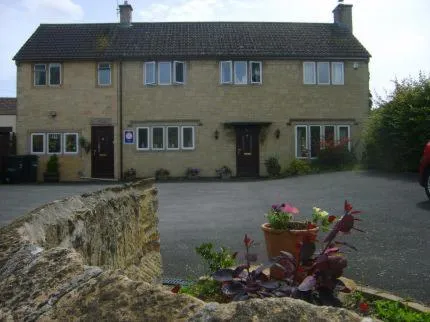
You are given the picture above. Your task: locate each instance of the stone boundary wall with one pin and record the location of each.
(95, 257)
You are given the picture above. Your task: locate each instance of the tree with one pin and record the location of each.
(397, 131)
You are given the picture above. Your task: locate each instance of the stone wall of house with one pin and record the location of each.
(202, 102)
(96, 257)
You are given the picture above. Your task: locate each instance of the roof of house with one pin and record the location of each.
(7, 106)
(191, 40)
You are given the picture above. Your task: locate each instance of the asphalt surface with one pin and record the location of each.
(393, 253)
(18, 199)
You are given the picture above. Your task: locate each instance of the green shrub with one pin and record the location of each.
(298, 167)
(215, 260)
(204, 289)
(398, 130)
(272, 166)
(395, 312)
(52, 165)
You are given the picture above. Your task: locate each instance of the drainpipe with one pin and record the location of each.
(120, 123)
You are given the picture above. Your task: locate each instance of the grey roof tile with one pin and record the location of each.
(190, 40)
(7, 106)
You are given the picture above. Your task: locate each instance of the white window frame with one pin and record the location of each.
(65, 141)
(193, 137)
(110, 73)
(148, 141)
(337, 131)
(49, 73)
(145, 79)
(312, 65)
(170, 72)
(44, 143)
(47, 142)
(152, 138)
(342, 81)
(227, 62)
(34, 75)
(261, 71)
(318, 74)
(175, 63)
(236, 81)
(167, 137)
(295, 140)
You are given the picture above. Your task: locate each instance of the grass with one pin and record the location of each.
(385, 310)
(206, 290)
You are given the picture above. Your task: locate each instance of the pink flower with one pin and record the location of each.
(290, 209)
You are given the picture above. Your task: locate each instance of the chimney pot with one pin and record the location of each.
(342, 15)
(125, 13)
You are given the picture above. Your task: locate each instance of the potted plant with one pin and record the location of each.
(224, 172)
(52, 170)
(84, 144)
(162, 174)
(282, 233)
(192, 173)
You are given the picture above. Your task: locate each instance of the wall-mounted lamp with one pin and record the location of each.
(52, 114)
(216, 134)
(277, 133)
(355, 65)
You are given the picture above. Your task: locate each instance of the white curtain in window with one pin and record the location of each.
(337, 73)
(309, 72)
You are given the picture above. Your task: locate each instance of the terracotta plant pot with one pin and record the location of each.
(283, 240)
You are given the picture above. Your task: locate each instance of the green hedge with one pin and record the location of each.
(397, 131)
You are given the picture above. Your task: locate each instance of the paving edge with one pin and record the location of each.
(384, 295)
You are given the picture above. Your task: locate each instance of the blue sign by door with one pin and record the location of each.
(128, 137)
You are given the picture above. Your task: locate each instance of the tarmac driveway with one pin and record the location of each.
(393, 254)
(18, 199)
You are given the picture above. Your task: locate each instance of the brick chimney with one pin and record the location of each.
(125, 13)
(342, 15)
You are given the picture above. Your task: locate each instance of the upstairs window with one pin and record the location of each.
(149, 72)
(323, 73)
(54, 74)
(39, 74)
(240, 72)
(237, 72)
(309, 72)
(256, 72)
(179, 72)
(104, 74)
(164, 73)
(337, 73)
(323, 69)
(226, 72)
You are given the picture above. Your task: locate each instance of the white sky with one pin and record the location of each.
(396, 33)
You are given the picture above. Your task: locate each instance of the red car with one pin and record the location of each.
(425, 169)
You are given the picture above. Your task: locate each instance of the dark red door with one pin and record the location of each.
(102, 163)
(247, 151)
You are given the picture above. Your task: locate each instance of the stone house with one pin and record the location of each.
(7, 125)
(114, 96)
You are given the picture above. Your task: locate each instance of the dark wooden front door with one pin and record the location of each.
(102, 163)
(247, 151)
